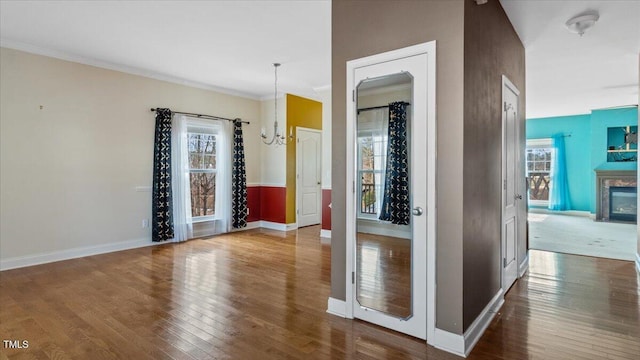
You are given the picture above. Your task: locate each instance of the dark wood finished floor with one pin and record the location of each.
(383, 268)
(262, 295)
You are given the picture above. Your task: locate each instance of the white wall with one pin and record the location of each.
(325, 98)
(69, 170)
(273, 158)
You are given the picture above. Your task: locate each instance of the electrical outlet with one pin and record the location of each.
(145, 223)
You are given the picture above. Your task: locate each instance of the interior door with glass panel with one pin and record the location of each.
(390, 282)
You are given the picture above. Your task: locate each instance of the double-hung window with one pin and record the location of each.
(371, 161)
(202, 146)
(539, 160)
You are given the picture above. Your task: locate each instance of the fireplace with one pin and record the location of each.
(606, 180)
(623, 204)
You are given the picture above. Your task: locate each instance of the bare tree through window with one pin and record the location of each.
(202, 173)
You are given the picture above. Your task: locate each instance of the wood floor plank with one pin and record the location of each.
(262, 294)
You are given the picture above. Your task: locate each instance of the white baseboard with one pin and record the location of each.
(292, 226)
(375, 227)
(524, 265)
(278, 226)
(462, 345)
(638, 262)
(325, 234)
(337, 307)
(43, 258)
(480, 324)
(448, 341)
(250, 225)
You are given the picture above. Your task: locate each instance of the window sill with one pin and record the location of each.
(203, 219)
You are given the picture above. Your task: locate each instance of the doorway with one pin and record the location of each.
(309, 176)
(510, 197)
(391, 208)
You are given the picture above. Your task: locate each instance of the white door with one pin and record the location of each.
(309, 161)
(510, 197)
(386, 291)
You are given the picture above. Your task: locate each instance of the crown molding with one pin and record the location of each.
(62, 55)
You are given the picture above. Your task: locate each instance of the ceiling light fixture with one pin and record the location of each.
(580, 24)
(277, 138)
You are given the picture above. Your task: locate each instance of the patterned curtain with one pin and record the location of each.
(239, 180)
(395, 203)
(162, 217)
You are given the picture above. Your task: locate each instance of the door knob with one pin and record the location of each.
(518, 197)
(417, 211)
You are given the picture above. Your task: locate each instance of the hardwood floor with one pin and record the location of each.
(383, 273)
(262, 294)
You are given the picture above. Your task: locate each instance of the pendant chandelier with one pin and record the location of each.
(277, 138)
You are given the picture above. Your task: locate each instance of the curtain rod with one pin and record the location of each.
(212, 117)
(380, 107)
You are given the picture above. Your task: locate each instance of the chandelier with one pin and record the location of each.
(277, 138)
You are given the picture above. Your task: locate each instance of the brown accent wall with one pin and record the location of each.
(363, 28)
(491, 48)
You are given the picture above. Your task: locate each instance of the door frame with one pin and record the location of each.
(298, 167)
(428, 48)
(503, 242)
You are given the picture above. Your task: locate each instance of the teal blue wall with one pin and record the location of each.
(577, 150)
(586, 147)
(601, 120)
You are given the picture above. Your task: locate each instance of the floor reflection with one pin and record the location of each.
(383, 273)
(262, 294)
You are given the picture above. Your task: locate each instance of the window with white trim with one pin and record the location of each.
(539, 161)
(371, 161)
(203, 161)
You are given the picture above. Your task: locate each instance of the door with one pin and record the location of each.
(510, 197)
(309, 162)
(390, 193)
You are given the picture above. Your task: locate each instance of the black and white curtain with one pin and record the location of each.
(162, 216)
(239, 180)
(396, 202)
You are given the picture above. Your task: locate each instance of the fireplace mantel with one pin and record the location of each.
(604, 180)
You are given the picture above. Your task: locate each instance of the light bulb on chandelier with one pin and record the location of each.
(277, 138)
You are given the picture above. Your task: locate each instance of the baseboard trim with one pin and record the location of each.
(74, 253)
(524, 266)
(448, 341)
(638, 262)
(480, 324)
(325, 234)
(273, 225)
(337, 307)
(250, 225)
(278, 226)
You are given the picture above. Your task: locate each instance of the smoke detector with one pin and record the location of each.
(580, 24)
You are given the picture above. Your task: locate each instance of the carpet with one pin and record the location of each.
(582, 236)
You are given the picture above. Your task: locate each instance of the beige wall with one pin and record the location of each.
(359, 29)
(69, 171)
(273, 157)
(325, 98)
(491, 49)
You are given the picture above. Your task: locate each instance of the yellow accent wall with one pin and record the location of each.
(305, 113)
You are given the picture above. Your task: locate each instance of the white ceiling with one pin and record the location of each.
(228, 45)
(568, 74)
(231, 45)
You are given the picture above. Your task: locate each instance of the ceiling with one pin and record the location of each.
(222, 45)
(568, 74)
(231, 45)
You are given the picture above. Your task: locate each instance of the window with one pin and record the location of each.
(371, 161)
(539, 160)
(202, 171)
